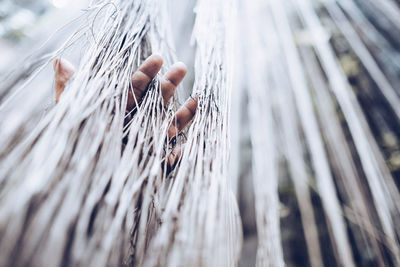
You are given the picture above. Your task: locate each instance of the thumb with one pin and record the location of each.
(174, 157)
(64, 70)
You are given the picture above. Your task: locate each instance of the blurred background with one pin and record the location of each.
(25, 25)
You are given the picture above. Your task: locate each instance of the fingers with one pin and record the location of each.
(64, 72)
(174, 157)
(147, 71)
(184, 115)
(142, 77)
(171, 80)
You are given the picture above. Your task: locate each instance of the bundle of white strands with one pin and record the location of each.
(308, 87)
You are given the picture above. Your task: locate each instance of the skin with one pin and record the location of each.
(64, 71)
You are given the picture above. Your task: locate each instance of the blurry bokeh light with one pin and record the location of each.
(59, 3)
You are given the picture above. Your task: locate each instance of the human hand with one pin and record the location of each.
(141, 78)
